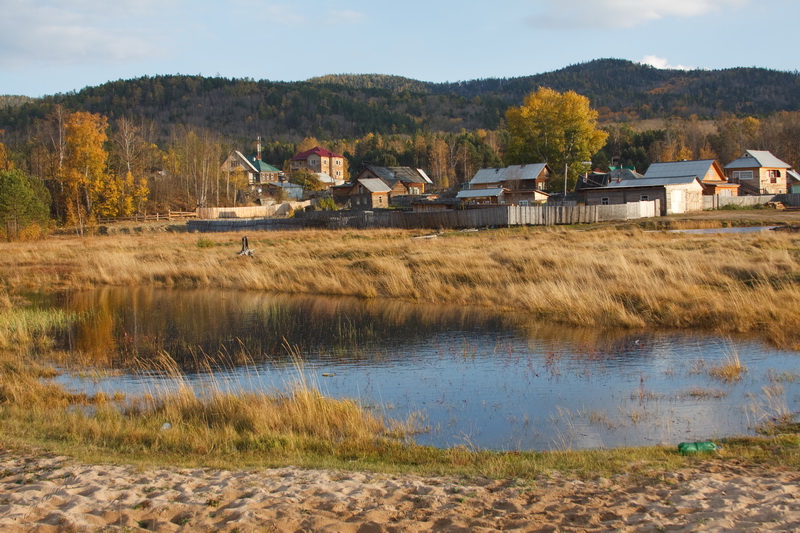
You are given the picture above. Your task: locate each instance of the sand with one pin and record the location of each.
(49, 493)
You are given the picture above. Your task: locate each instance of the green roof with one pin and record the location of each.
(263, 167)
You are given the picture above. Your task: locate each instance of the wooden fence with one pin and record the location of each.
(257, 211)
(157, 217)
(508, 215)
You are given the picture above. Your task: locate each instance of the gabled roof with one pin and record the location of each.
(651, 182)
(245, 160)
(403, 174)
(262, 166)
(793, 175)
(374, 185)
(512, 173)
(480, 193)
(302, 156)
(671, 169)
(757, 159)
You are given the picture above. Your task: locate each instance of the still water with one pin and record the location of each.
(478, 378)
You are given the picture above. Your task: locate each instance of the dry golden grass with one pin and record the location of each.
(602, 278)
(730, 370)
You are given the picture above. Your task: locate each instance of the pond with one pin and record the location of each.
(479, 378)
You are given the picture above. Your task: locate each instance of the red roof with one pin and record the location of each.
(302, 156)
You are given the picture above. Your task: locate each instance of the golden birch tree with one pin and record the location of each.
(555, 128)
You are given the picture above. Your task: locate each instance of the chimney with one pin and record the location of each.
(258, 148)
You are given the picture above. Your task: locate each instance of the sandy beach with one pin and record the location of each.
(49, 493)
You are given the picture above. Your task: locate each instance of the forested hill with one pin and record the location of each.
(341, 106)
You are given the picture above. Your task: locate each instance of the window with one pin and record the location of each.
(773, 175)
(742, 175)
(604, 200)
(644, 198)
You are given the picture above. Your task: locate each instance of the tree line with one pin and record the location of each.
(74, 168)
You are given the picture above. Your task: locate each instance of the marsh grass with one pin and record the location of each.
(730, 370)
(601, 278)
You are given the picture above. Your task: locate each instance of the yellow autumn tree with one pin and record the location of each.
(559, 129)
(84, 176)
(5, 162)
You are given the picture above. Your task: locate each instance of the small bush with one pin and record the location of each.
(205, 242)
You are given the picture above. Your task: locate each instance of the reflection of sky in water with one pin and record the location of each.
(479, 379)
(742, 229)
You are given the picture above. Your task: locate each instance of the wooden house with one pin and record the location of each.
(403, 181)
(593, 180)
(759, 172)
(368, 193)
(256, 170)
(521, 184)
(708, 171)
(681, 194)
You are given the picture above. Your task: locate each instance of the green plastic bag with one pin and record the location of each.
(687, 448)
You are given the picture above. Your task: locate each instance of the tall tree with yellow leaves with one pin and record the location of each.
(559, 129)
(84, 175)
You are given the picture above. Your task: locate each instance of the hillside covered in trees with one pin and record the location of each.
(348, 106)
(157, 143)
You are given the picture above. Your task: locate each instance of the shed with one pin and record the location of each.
(708, 171)
(680, 194)
(495, 195)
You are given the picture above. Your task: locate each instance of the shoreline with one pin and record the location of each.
(43, 492)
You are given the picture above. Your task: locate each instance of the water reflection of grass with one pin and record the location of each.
(602, 278)
(230, 428)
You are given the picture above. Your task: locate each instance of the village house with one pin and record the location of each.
(256, 170)
(593, 180)
(759, 172)
(319, 160)
(707, 171)
(403, 181)
(678, 194)
(517, 184)
(363, 194)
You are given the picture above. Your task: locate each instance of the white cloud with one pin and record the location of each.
(299, 15)
(662, 63)
(347, 17)
(72, 32)
(623, 13)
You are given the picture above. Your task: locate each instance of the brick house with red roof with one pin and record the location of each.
(319, 160)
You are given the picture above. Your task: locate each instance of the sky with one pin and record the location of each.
(57, 46)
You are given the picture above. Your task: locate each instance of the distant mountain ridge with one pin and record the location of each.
(351, 105)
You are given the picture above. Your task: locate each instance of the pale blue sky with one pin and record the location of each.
(52, 46)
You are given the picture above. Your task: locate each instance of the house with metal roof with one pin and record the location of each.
(708, 171)
(521, 183)
(676, 194)
(319, 160)
(759, 172)
(368, 193)
(404, 181)
(256, 170)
